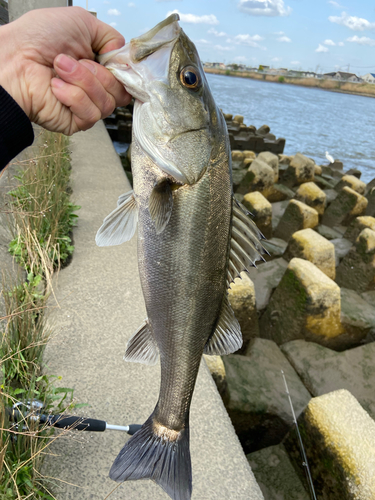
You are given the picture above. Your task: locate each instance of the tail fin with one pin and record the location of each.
(157, 453)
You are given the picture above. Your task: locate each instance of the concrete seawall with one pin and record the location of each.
(100, 307)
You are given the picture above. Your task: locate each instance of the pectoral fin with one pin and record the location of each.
(120, 225)
(160, 205)
(227, 337)
(142, 347)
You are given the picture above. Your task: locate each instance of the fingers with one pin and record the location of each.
(88, 89)
(105, 38)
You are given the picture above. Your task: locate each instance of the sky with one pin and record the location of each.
(314, 35)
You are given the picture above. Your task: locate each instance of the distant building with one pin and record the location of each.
(4, 16)
(341, 75)
(251, 70)
(369, 78)
(263, 67)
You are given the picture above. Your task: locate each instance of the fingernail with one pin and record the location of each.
(66, 63)
(89, 65)
(56, 82)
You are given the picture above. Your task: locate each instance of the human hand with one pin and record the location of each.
(61, 42)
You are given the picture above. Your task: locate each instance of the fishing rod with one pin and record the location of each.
(17, 414)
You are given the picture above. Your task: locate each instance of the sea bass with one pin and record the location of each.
(193, 240)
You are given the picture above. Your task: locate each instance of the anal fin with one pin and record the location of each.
(120, 225)
(142, 347)
(227, 337)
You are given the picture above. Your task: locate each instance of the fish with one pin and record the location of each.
(194, 239)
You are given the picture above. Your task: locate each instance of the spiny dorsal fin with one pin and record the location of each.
(120, 225)
(160, 205)
(245, 246)
(142, 347)
(227, 337)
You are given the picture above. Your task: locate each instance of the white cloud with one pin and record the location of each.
(240, 59)
(276, 59)
(363, 40)
(279, 33)
(106, 2)
(228, 40)
(264, 7)
(321, 48)
(220, 47)
(352, 22)
(284, 39)
(193, 19)
(249, 40)
(295, 63)
(203, 41)
(329, 42)
(113, 24)
(114, 12)
(131, 4)
(341, 44)
(212, 31)
(336, 4)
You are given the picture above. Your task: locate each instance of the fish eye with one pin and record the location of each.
(190, 77)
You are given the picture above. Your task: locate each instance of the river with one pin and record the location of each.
(312, 121)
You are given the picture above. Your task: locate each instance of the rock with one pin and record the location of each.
(239, 165)
(355, 172)
(331, 195)
(308, 244)
(266, 278)
(249, 154)
(358, 225)
(228, 117)
(357, 316)
(306, 305)
(310, 194)
(271, 160)
(275, 246)
(259, 176)
(342, 247)
(323, 370)
(238, 177)
(258, 405)
(276, 475)
(239, 197)
(325, 182)
(238, 156)
(345, 208)
(370, 186)
(278, 210)
(369, 297)
(351, 182)
(285, 159)
(296, 216)
(328, 232)
(340, 229)
(370, 210)
(300, 170)
(357, 269)
(261, 209)
(242, 299)
(217, 369)
(317, 170)
(238, 118)
(339, 438)
(278, 192)
(263, 130)
(247, 162)
(337, 164)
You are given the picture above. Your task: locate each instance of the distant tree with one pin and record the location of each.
(260, 68)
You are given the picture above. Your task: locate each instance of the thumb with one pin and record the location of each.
(105, 38)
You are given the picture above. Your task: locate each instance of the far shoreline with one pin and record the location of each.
(361, 89)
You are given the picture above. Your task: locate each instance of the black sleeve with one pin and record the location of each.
(16, 132)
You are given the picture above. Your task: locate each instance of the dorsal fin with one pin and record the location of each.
(245, 246)
(227, 337)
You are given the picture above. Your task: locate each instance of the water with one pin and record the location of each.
(312, 121)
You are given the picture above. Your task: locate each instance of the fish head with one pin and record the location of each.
(175, 119)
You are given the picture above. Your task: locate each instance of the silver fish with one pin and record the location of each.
(193, 240)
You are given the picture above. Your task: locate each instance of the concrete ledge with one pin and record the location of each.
(100, 307)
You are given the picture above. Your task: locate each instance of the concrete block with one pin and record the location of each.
(331, 195)
(342, 247)
(263, 130)
(352, 182)
(370, 186)
(258, 405)
(328, 232)
(242, 299)
(357, 269)
(278, 210)
(310, 194)
(308, 244)
(261, 209)
(300, 170)
(238, 118)
(323, 370)
(266, 278)
(275, 246)
(317, 170)
(249, 154)
(278, 192)
(296, 216)
(272, 160)
(348, 205)
(357, 316)
(339, 438)
(275, 474)
(358, 224)
(258, 177)
(217, 369)
(306, 305)
(285, 159)
(370, 210)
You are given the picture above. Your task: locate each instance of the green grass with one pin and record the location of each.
(42, 221)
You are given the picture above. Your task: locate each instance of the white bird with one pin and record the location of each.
(329, 157)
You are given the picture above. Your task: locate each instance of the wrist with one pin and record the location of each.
(12, 68)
